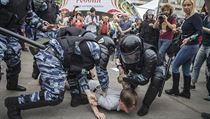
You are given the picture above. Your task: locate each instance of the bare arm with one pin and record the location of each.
(170, 25)
(99, 115)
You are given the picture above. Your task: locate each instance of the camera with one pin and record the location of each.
(161, 17)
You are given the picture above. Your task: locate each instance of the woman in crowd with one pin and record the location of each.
(203, 51)
(78, 21)
(190, 30)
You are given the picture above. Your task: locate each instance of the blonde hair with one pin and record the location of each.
(194, 6)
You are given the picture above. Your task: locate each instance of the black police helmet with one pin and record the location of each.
(89, 35)
(131, 48)
(107, 42)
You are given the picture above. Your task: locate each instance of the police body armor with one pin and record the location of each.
(74, 62)
(13, 14)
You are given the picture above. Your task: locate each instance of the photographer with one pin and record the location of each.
(166, 22)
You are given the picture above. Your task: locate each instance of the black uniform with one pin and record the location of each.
(140, 63)
(107, 48)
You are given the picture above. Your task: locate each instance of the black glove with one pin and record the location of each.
(129, 79)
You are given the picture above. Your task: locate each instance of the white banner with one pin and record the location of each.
(107, 6)
(99, 5)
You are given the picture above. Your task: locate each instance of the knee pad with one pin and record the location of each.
(157, 79)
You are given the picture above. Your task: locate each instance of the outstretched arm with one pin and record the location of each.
(98, 114)
(35, 22)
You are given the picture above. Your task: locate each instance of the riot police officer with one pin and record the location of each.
(13, 13)
(107, 47)
(71, 54)
(137, 65)
(50, 16)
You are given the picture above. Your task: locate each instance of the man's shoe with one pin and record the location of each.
(143, 110)
(172, 92)
(18, 88)
(185, 94)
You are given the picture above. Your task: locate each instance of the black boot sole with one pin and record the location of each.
(18, 88)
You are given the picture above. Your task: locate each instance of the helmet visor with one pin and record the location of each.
(132, 57)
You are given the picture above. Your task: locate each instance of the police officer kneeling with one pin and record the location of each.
(69, 54)
(137, 64)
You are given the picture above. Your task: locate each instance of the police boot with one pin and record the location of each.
(150, 95)
(186, 91)
(35, 72)
(143, 110)
(13, 111)
(78, 99)
(12, 78)
(14, 107)
(205, 115)
(175, 87)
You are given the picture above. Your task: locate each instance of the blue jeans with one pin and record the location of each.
(201, 56)
(163, 46)
(207, 73)
(184, 58)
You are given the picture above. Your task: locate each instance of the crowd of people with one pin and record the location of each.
(77, 43)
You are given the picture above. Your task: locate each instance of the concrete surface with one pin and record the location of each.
(165, 107)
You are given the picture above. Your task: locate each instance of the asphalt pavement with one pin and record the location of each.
(164, 107)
